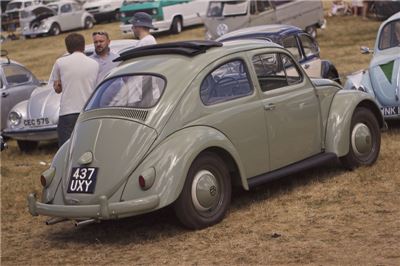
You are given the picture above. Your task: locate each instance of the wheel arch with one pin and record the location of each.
(341, 112)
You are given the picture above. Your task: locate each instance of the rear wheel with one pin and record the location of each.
(206, 194)
(27, 145)
(55, 29)
(176, 25)
(365, 140)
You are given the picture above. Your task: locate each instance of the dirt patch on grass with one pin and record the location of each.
(323, 216)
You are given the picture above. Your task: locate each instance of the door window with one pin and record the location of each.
(16, 75)
(275, 71)
(390, 35)
(290, 43)
(227, 82)
(66, 8)
(309, 45)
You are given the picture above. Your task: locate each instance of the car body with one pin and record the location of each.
(224, 16)
(191, 120)
(103, 9)
(382, 78)
(167, 15)
(35, 119)
(302, 45)
(54, 18)
(10, 17)
(16, 85)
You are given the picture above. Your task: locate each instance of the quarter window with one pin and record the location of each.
(16, 75)
(290, 43)
(275, 71)
(227, 82)
(309, 45)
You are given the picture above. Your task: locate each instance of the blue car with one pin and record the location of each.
(382, 78)
(302, 45)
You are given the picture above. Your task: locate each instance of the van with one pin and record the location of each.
(224, 16)
(168, 15)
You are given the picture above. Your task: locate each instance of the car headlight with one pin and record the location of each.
(14, 118)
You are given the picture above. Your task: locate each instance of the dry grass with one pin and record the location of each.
(324, 216)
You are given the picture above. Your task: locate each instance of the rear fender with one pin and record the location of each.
(344, 103)
(172, 159)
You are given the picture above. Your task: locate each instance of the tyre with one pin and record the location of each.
(176, 25)
(88, 23)
(312, 30)
(206, 194)
(365, 140)
(26, 145)
(55, 29)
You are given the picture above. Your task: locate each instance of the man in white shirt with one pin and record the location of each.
(74, 76)
(103, 55)
(141, 25)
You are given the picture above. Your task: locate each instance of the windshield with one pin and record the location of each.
(138, 91)
(14, 5)
(226, 9)
(390, 35)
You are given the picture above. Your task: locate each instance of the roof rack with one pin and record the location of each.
(186, 48)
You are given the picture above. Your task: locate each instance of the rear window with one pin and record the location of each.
(138, 91)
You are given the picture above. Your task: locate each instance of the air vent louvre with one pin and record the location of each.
(136, 114)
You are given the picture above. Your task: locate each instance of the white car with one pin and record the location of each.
(103, 9)
(54, 18)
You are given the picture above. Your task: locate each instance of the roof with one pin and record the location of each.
(273, 29)
(393, 17)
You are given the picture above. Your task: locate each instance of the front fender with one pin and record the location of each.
(172, 159)
(344, 103)
(21, 108)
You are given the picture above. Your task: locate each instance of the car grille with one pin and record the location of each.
(137, 114)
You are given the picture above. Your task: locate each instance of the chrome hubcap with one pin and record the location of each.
(205, 191)
(361, 139)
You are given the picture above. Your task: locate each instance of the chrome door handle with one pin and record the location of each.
(269, 107)
(4, 94)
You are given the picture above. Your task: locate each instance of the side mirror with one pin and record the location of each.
(365, 50)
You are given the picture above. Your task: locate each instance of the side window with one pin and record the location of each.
(275, 71)
(228, 81)
(290, 43)
(76, 7)
(309, 45)
(66, 8)
(263, 5)
(16, 75)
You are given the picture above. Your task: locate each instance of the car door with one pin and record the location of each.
(17, 85)
(291, 109)
(77, 14)
(310, 61)
(66, 17)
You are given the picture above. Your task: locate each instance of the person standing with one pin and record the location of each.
(103, 55)
(141, 25)
(74, 76)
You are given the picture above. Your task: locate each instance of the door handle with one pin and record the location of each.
(269, 107)
(306, 66)
(4, 94)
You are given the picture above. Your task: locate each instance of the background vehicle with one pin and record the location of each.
(225, 16)
(304, 48)
(55, 18)
(104, 9)
(167, 15)
(382, 78)
(16, 85)
(239, 113)
(36, 118)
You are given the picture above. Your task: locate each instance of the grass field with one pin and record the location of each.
(325, 216)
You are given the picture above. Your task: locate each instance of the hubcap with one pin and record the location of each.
(205, 191)
(361, 139)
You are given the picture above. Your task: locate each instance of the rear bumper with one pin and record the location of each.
(103, 211)
(33, 134)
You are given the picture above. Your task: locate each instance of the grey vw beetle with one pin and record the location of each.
(181, 123)
(34, 120)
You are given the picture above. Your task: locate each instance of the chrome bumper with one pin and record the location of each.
(103, 211)
(34, 134)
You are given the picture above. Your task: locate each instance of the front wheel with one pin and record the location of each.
(206, 194)
(365, 140)
(176, 25)
(88, 23)
(55, 29)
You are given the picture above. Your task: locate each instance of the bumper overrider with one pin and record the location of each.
(102, 211)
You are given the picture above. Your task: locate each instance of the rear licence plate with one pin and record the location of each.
(37, 122)
(82, 180)
(390, 110)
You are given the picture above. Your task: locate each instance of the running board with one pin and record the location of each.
(293, 168)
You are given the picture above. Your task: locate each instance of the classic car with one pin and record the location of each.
(103, 9)
(36, 118)
(302, 45)
(181, 123)
(54, 18)
(382, 78)
(16, 85)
